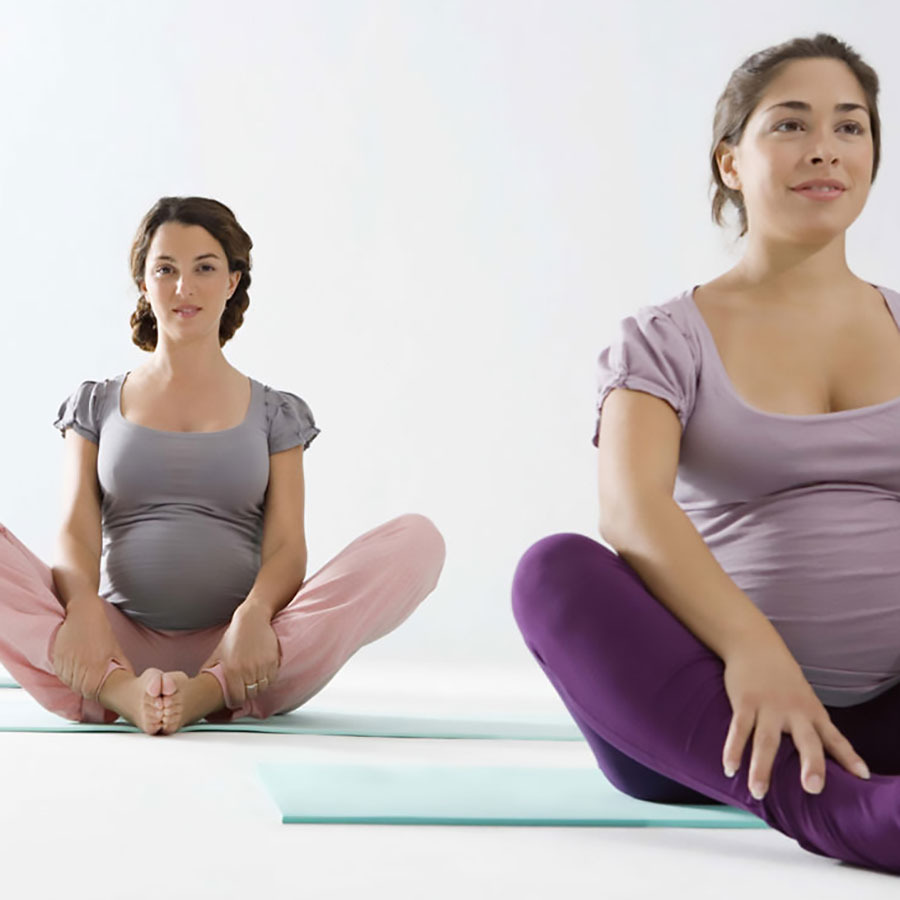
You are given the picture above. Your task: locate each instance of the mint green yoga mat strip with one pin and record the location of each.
(474, 795)
(20, 712)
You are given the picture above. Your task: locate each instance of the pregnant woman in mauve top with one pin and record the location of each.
(748, 622)
(181, 589)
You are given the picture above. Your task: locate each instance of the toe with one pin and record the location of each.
(153, 721)
(168, 684)
(171, 721)
(154, 683)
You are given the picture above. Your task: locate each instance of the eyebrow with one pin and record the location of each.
(838, 107)
(202, 256)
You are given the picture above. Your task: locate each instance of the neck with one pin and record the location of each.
(187, 364)
(780, 273)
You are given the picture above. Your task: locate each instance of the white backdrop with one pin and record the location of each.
(452, 205)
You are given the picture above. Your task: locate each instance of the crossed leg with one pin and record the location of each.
(636, 680)
(361, 594)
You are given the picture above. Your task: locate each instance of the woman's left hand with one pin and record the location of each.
(249, 652)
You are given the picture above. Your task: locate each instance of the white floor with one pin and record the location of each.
(133, 816)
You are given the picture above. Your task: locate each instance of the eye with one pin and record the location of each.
(160, 268)
(858, 129)
(208, 266)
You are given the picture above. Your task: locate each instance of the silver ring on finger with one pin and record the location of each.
(252, 687)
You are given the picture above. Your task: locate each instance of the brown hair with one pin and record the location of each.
(220, 222)
(749, 82)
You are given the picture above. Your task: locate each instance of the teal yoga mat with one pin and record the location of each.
(475, 795)
(20, 712)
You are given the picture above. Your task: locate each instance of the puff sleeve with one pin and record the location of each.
(290, 421)
(653, 354)
(80, 411)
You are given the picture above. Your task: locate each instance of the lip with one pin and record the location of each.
(820, 182)
(188, 308)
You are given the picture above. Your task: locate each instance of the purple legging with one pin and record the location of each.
(650, 699)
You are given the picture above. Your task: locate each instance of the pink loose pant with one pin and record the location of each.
(361, 594)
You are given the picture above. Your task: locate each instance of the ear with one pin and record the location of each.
(233, 279)
(725, 159)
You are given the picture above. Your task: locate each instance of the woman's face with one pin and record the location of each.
(187, 266)
(786, 146)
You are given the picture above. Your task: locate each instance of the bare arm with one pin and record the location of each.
(85, 643)
(77, 571)
(657, 539)
(283, 552)
(638, 457)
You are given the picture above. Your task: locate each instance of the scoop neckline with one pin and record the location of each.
(118, 408)
(709, 340)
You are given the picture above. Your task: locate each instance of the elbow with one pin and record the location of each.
(301, 557)
(619, 517)
(606, 519)
(604, 527)
(606, 535)
(620, 523)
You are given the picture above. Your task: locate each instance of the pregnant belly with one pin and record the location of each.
(826, 572)
(174, 578)
(844, 631)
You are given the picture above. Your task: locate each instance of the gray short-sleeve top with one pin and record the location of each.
(182, 511)
(801, 511)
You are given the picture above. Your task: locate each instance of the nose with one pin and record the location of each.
(185, 287)
(822, 145)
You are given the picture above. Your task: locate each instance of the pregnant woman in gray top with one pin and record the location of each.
(181, 590)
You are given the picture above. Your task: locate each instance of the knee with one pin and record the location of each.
(639, 781)
(552, 574)
(423, 544)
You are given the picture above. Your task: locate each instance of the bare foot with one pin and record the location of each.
(185, 700)
(136, 698)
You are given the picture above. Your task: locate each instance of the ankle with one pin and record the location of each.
(114, 681)
(214, 697)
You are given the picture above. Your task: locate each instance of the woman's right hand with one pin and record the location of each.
(84, 645)
(769, 694)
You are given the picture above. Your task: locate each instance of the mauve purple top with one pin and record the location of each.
(802, 512)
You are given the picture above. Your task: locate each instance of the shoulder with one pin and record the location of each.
(670, 326)
(281, 401)
(892, 295)
(93, 392)
(657, 351)
(677, 310)
(85, 408)
(289, 419)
